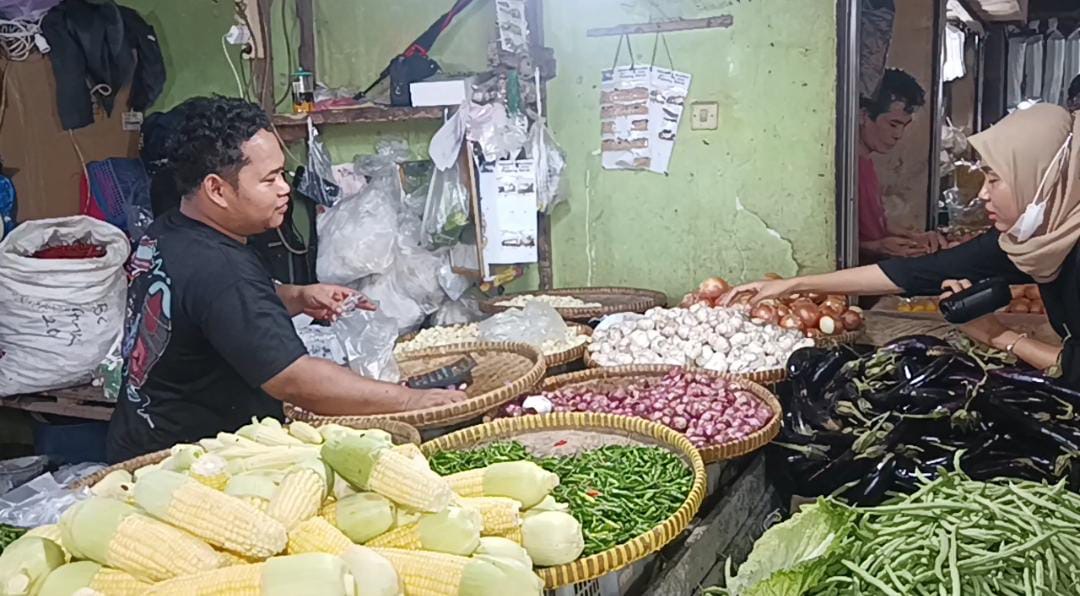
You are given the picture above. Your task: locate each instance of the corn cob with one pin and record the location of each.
(522, 481)
(270, 458)
(221, 520)
(300, 494)
(71, 578)
(305, 432)
(210, 470)
(49, 532)
(454, 531)
(511, 534)
(181, 457)
(115, 534)
(361, 517)
(116, 484)
(309, 573)
(253, 488)
(316, 535)
(229, 559)
(500, 514)
(268, 432)
(413, 453)
(438, 574)
(367, 464)
(26, 563)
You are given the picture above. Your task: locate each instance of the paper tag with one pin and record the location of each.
(132, 121)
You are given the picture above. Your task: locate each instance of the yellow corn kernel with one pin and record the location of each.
(413, 453)
(368, 463)
(316, 535)
(299, 495)
(405, 537)
(500, 514)
(514, 534)
(113, 582)
(221, 520)
(454, 531)
(427, 573)
(87, 575)
(256, 502)
(309, 573)
(115, 534)
(210, 470)
(469, 483)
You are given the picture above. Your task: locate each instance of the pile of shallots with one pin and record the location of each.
(707, 409)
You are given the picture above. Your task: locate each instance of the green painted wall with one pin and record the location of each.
(773, 75)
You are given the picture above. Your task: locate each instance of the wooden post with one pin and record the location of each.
(263, 67)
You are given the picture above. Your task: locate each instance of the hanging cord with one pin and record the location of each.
(236, 75)
(82, 160)
(18, 37)
(656, 43)
(618, 52)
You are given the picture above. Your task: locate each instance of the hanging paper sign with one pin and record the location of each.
(513, 27)
(508, 208)
(624, 118)
(667, 96)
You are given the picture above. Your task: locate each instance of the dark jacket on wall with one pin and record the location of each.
(97, 48)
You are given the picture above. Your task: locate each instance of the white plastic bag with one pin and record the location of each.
(550, 163)
(1054, 80)
(534, 324)
(446, 212)
(58, 317)
(457, 312)
(1014, 76)
(1033, 63)
(356, 236)
(393, 301)
(368, 338)
(453, 284)
(318, 182)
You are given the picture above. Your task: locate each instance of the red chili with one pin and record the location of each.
(592, 492)
(560, 443)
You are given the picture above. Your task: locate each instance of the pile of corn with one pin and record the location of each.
(276, 510)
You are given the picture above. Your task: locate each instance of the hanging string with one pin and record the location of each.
(618, 52)
(656, 42)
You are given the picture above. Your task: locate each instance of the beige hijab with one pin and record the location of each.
(1021, 149)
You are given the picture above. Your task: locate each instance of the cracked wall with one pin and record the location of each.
(752, 197)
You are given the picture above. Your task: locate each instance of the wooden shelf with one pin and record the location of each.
(83, 401)
(293, 127)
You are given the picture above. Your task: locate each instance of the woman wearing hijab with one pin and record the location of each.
(1032, 193)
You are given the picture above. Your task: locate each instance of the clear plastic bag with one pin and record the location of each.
(446, 212)
(367, 338)
(318, 183)
(453, 284)
(534, 324)
(320, 341)
(458, 312)
(38, 502)
(499, 134)
(394, 301)
(357, 236)
(550, 163)
(16, 472)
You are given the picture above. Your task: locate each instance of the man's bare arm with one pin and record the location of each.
(323, 387)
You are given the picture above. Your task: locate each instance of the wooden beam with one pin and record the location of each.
(293, 127)
(718, 22)
(305, 14)
(263, 67)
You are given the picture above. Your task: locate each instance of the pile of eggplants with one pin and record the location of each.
(861, 422)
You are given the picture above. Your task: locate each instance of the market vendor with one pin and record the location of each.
(1032, 193)
(209, 340)
(883, 120)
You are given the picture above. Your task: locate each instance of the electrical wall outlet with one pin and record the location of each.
(705, 115)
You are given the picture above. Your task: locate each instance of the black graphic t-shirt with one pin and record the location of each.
(205, 329)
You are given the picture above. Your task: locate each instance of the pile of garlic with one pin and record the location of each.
(553, 301)
(718, 339)
(459, 334)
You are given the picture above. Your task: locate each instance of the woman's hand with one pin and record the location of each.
(759, 290)
(420, 399)
(325, 302)
(950, 287)
(988, 330)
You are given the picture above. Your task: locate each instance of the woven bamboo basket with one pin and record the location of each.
(761, 377)
(840, 339)
(400, 433)
(636, 429)
(611, 301)
(625, 375)
(503, 371)
(556, 359)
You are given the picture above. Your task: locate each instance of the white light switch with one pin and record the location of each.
(705, 115)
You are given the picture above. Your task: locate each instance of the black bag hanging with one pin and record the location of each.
(414, 64)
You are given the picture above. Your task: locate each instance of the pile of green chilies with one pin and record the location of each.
(616, 492)
(960, 536)
(8, 535)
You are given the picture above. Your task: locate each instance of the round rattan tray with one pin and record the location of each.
(503, 371)
(635, 429)
(761, 377)
(611, 301)
(555, 359)
(628, 374)
(399, 431)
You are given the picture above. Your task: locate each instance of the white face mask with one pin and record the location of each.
(1033, 217)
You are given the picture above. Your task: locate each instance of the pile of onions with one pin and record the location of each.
(708, 410)
(1026, 300)
(815, 315)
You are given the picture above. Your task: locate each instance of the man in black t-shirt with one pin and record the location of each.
(209, 341)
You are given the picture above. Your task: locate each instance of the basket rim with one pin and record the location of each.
(624, 554)
(643, 300)
(442, 416)
(709, 454)
(555, 359)
(770, 376)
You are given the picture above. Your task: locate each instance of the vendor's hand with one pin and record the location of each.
(758, 291)
(950, 287)
(419, 399)
(325, 302)
(895, 246)
(985, 330)
(930, 242)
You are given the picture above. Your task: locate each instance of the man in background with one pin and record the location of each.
(883, 119)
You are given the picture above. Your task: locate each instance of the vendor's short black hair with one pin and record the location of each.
(896, 86)
(1074, 94)
(209, 138)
